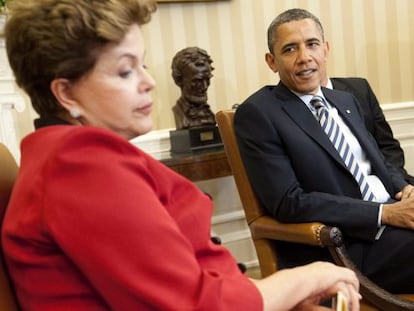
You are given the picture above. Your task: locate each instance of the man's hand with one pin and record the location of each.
(405, 193)
(401, 213)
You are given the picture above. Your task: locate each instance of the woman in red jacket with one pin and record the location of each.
(95, 223)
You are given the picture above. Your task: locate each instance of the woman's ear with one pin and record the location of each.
(62, 89)
(270, 60)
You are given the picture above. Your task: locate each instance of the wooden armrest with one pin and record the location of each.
(409, 297)
(312, 233)
(371, 292)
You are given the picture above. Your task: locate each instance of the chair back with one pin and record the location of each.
(8, 173)
(264, 229)
(253, 210)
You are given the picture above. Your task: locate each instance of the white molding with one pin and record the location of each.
(251, 263)
(10, 99)
(227, 217)
(154, 143)
(235, 236)
(158, 140)
(400, 116)
(399, 112)
(398, 106)
(7, 129)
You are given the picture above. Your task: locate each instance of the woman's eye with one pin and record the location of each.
(125, 74)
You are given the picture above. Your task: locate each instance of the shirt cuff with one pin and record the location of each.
(379, 215)
(381, 227)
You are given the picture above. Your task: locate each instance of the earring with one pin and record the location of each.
(75, 113)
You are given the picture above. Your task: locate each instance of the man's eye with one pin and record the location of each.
(314, 44)
(288, 49)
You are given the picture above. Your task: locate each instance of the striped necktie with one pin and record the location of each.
(337, 138)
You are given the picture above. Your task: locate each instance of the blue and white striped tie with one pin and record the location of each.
(337, 138)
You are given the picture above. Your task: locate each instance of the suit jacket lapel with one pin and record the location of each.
(303, 117)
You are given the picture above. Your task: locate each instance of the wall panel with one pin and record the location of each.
(371, 38)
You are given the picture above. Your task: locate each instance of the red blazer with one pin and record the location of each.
(96, 224)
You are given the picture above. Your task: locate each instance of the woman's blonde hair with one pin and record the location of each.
(48, 39)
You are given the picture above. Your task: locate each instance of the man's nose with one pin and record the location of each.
(304, 55)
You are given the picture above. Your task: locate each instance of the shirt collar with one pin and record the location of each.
(308, 97)
(329, 85)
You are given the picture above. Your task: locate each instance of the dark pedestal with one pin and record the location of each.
(196, 138)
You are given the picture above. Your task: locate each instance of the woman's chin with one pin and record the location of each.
(144, 128)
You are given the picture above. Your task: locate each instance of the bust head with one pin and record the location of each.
(191, 70)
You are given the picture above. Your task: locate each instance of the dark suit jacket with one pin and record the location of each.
(374, 120)
(294, 168)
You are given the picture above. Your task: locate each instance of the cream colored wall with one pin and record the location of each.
(369, 38)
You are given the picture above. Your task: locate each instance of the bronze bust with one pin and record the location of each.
(192, 71)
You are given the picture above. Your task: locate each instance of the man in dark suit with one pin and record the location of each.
(374, 119)
(298, 174)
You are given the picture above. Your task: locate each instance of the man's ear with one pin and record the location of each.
(326, 50)
(62, 89)
(270, 60)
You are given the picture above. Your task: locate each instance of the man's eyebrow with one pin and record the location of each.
(315, 39)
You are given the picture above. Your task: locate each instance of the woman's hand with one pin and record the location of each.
(305, 287)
